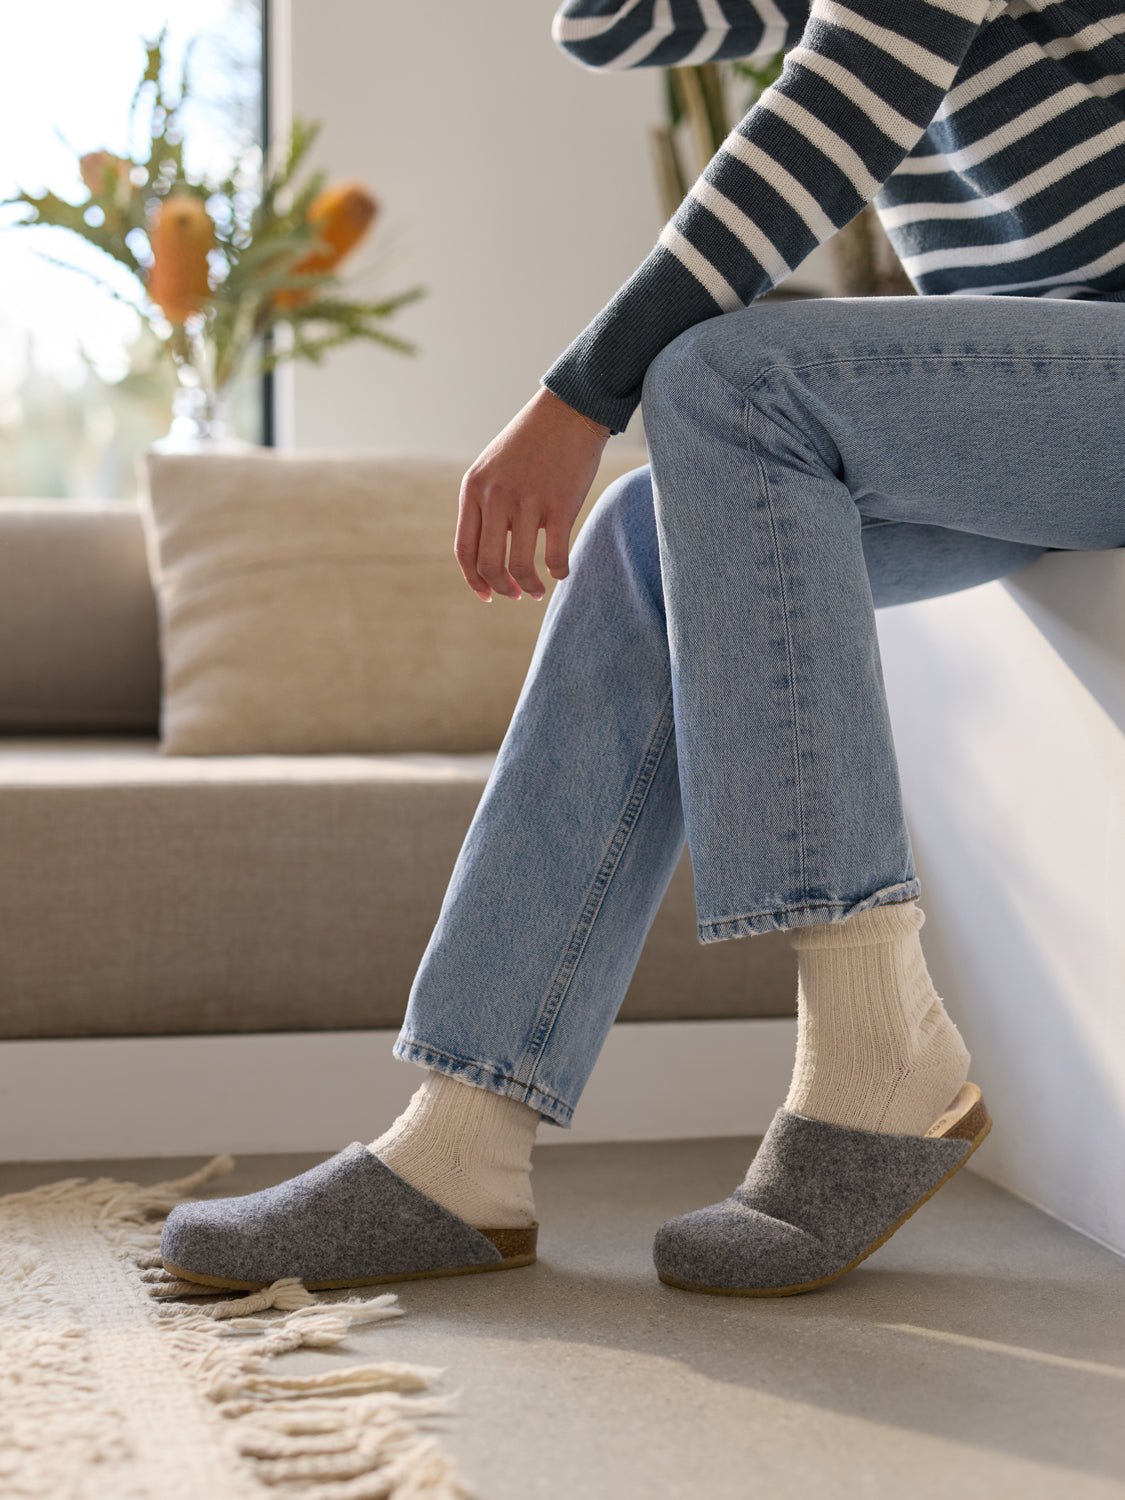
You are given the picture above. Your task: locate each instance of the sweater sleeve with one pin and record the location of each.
(617, 34)
(859, 85)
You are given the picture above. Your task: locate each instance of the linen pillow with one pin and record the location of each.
(310, 603)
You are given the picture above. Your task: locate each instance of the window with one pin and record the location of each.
(84, 384)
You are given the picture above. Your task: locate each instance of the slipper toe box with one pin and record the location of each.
(223, 1237)
(731, 1247)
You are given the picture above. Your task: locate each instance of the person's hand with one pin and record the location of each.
(533, 476)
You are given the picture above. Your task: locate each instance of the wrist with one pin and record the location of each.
(545, 393)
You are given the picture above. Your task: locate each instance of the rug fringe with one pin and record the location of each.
(341, 1434)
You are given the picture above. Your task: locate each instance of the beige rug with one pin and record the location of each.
(115, 1386)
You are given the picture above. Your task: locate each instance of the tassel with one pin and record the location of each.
(353, 1381)
(292, 1296)
(135, 1200)
(394, 1461)
(163, 1285)
(308, 1415)
(286, 1294)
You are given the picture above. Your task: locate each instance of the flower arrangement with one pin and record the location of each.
(695, 103)
(224, 266)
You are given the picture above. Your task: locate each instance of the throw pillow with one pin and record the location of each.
(310, 602)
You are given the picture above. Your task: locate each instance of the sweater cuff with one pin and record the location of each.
(613, 411)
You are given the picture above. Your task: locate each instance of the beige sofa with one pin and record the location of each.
(143, 894)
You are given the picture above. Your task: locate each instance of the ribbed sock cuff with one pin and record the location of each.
(888, 923)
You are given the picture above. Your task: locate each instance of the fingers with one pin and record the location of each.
(467, 544)
(487, 515)
(493, 545)
(556, 556)
(521, 561)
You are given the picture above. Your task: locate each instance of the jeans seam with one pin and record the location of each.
(769, 911)
(864, 359)
(568, 963)
(773, 911)
(798, 783)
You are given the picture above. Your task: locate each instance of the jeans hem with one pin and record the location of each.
(485, 1075)
(807, 914)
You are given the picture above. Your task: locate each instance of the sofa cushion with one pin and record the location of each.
(147, 895)
(78, 644)
(310, 603)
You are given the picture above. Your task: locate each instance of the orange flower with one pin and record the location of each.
(341, 215)
(103, 173)
(180, 233)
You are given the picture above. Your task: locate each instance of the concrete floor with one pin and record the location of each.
(980, 1352)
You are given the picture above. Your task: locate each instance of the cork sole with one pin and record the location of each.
(966, 1119)
(516, 1246)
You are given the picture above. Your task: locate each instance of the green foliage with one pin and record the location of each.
(49, 208)
(759, 78)
(262, 235)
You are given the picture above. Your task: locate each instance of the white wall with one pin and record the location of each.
(517, 186)
(1008, 705)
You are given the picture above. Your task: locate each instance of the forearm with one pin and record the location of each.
(855, 94)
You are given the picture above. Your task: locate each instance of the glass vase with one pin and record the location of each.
(200, 424)
(200, 420)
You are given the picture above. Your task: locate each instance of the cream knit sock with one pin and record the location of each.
(875, 1047)
(467, 1148)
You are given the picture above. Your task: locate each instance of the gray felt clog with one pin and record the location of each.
(349, 1221)
(816, 1200)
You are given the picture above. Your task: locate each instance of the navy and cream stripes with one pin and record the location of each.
(988, 134)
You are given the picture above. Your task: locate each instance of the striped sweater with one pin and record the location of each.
(988, 134)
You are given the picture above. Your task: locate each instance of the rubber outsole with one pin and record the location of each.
(520, 1245)
(335, 1285)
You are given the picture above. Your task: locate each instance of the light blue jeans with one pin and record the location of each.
(710, 669)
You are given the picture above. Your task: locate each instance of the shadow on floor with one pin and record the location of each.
(982, 1346)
